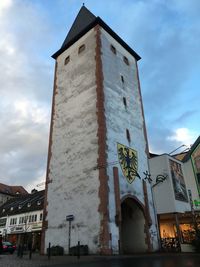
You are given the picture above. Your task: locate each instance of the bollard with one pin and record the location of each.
(49, 251)
(22, 251)
(30, 251)
(19, 251)
(78, 250)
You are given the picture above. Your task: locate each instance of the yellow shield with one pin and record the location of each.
(128, 161)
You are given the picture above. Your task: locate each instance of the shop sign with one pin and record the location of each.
(37, 226)
(17, 229)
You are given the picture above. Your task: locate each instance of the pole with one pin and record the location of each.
(78, 250)
(69, 237)
(178, 228)
(49, 251)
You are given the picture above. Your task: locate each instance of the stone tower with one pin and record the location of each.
(98, 147)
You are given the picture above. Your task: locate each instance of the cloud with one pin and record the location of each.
(26, 89)
(166, 35)
(183, 136)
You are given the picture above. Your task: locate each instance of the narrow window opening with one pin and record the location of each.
(113, 49)
(124, 101)
(122, 79)
(67, 60)
(128, 135)
(126, 60)
(81, 48)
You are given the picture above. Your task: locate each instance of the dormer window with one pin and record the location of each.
(67, 60)
(113, 49)
(19, 207)
(126, 60)
(3, 210)
(28, 205)
(38, 202)
(11, 208)
(17, 193)
(81, 49)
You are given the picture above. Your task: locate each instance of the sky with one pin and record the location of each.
(166, 34)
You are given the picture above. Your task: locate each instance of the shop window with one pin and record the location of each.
(67, 60)
(13, 221)
(128, 135)
(81, 49)
(126, 60)
(113, 49)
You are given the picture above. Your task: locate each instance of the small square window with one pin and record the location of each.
(126, 60)
(113, 49)
(67, 60)
(81, 48)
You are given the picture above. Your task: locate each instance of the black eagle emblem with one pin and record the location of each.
(128, 161)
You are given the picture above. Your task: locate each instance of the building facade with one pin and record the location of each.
(176, 199)
(21, 220)
(98, 150)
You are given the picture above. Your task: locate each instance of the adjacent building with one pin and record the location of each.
(21, 220)
(177, 196)
(97, 191)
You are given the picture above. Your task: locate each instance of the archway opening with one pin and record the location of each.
(132, 227)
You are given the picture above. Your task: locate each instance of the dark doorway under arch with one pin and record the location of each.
(132, 227)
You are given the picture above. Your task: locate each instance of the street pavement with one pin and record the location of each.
(142, 260)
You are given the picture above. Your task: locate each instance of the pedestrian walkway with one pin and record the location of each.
(154, 259)
(7, 260)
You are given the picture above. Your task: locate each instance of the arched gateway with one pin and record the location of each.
(133, 223)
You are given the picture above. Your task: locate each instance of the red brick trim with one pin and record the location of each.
(148, 217)
(144, 124)
(118, 216)
(104, 236)
(117, 195)
(45, 222)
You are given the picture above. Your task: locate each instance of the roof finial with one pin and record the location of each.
(83, 4)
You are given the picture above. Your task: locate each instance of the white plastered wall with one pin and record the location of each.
(75, 183)
(164, 197)
(118, 119)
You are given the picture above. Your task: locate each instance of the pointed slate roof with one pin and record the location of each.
(83, 19)
(84, 22)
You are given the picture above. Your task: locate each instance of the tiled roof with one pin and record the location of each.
(23, 204)
(12, 190)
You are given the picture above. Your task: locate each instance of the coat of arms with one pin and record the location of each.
(128, 161)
